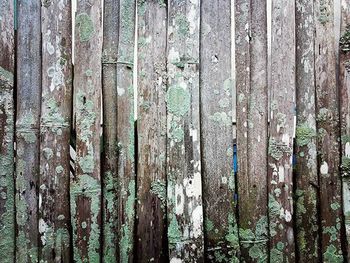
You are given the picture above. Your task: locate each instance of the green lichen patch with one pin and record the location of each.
(174, 232)
(85, 27)
(304, 134)
(182, 24)
(177, 134)
(325, 12)
(221, 118)
(278, 149)
(158, 188)
(345, 166)
(178, 100)
(6, 76)
(344, 41)
(322, 115)
(332, 255)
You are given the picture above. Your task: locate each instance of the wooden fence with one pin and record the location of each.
(175, 131)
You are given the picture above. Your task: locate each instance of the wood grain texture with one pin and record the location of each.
(110, 143)
(126, 130)
(344, 90)
(216, 88)
(7, 183)
(85, 187)
(281, 132)
(306, 193)
(327, 103)
(56, 104)
(184, 184)
(151, 241)
(252, 130)
(27, 129)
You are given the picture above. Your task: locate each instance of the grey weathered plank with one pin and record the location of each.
(281, 133)
(110, 144)
(251, 81)
(7, 68)
(151, 241)
(344, 91)
(85, 187)
(184, 184)
(216, 88)
(126, 130)
(328, 131)
(27, 129)
(306, 195)
(54, 214)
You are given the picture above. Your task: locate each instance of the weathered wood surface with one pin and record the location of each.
(281, 132)
(85, 187)
(126, 130)
(56, 102)
(221, 235)
(306, 193)
(184, 184)
(7, 69)
(151, 241)
(328, 132)
(251, 58)
(27, 129)
(344, 91)
(110, 143)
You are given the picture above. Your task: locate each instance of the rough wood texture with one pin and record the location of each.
(306, 194)
(126, 130)
(86, 185)
(54, 214)
(7, 68)
(151, 241)
(328, 131)
(216, 132)
(27, 129)
(280, 170)
(344, 82)
(251, 58)
(184, 184)
(110, 144)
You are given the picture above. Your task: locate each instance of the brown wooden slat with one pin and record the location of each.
(151, 238)
(7, 183)
(216, 88)
(54, 214)
(328, 131)
(306, 194)
(125, 130)
(27, 129)
(110, 143)
(185, 211)
(85, 187)
(281, 132)
(344, 91)
(252, 129)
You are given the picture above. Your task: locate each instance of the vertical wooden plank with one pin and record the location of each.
(306, 194)
(54, 215)
(280, 170)
(328, 131)
(110, 144)
(216, 87)
(185, 210)
(85, 187)
(27, 129)
(251, 72)
(344, 89)
(125, 130)
(151, 240)
(7, 68)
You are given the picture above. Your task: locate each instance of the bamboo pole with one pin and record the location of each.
(27, 129)
(280, 170)
(54, 214)
(85, 187)
(151, 241)
(110, 143)
(7, 68)
(306, 194)
(184, 183)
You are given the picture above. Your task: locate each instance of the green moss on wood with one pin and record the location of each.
(178, 100)
(278, 149)
(304, 134)
(85, 27)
